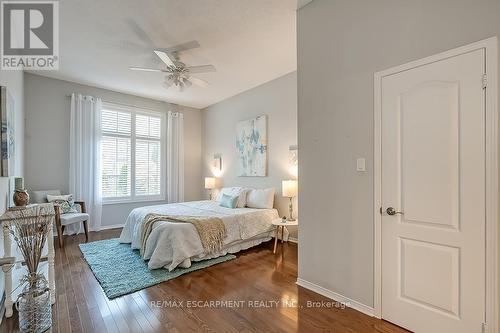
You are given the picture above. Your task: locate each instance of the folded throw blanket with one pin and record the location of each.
(211, 230)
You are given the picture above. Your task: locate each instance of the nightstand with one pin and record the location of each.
(282, 224)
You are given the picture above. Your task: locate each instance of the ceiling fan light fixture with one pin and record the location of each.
(178, 73)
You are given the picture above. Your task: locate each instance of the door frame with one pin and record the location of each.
(492, 292)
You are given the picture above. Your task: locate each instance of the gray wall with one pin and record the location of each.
(341, 44)
(47, 138)
(278, 100)
(13, 80)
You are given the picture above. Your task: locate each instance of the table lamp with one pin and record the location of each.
(289, 189)
(210, 185)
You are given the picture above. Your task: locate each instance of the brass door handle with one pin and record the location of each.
(392, 211)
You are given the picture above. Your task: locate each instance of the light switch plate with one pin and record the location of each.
(360, 165)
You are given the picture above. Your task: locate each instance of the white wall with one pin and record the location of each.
(278, 100)
(13, 80)
(47, 138)
(341, 44)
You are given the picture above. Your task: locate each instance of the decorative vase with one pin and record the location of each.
(29, 228)
(34, 306)
(21, 197)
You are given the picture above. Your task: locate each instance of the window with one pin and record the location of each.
(132, 157)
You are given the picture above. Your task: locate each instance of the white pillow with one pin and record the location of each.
(235, 191)
(65, 197)
(258, 198)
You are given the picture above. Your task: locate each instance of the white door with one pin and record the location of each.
(433, 172)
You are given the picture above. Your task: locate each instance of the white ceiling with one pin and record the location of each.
(250, 42)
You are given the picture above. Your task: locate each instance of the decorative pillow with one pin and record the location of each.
(228, 201)
(240, 192)
(261, 198)
(65, 202)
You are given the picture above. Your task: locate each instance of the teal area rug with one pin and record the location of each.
(122, 271)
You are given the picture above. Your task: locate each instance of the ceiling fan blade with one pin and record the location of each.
(183, 84)
(165, 58)
(144, 69)
(201, 69)
(199, 82)
(182, 47)
(187, 83)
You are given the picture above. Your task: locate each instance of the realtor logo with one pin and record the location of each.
(29, 35)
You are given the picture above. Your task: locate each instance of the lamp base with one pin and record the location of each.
(290, 209)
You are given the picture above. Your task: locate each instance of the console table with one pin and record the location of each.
(5, 220)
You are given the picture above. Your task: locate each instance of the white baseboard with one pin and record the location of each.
(114, 226)
(293, 240)
(367, 310)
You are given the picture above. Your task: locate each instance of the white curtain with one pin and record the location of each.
(85, 164)
(175, 157)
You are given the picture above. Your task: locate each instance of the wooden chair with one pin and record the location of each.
(62, 220)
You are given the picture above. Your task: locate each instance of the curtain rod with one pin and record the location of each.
(129, 105)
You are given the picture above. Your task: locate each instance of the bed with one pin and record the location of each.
(173, 244)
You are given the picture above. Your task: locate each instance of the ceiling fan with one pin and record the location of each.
(177, 73)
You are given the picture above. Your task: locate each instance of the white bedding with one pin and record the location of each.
(176, 244)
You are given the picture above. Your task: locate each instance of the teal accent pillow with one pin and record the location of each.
(66, 206)
(228, 201)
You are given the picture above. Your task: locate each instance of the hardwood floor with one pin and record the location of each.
(256, 277)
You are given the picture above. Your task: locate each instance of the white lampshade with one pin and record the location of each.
(209, 183)
(289, 188)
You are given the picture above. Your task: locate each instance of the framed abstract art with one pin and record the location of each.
(251, 145)
(7, 145)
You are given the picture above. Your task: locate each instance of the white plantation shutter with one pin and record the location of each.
(147, 155)
(131, 154)
(116, 153)
(116, 122)
(116, 167)
(148, 126)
